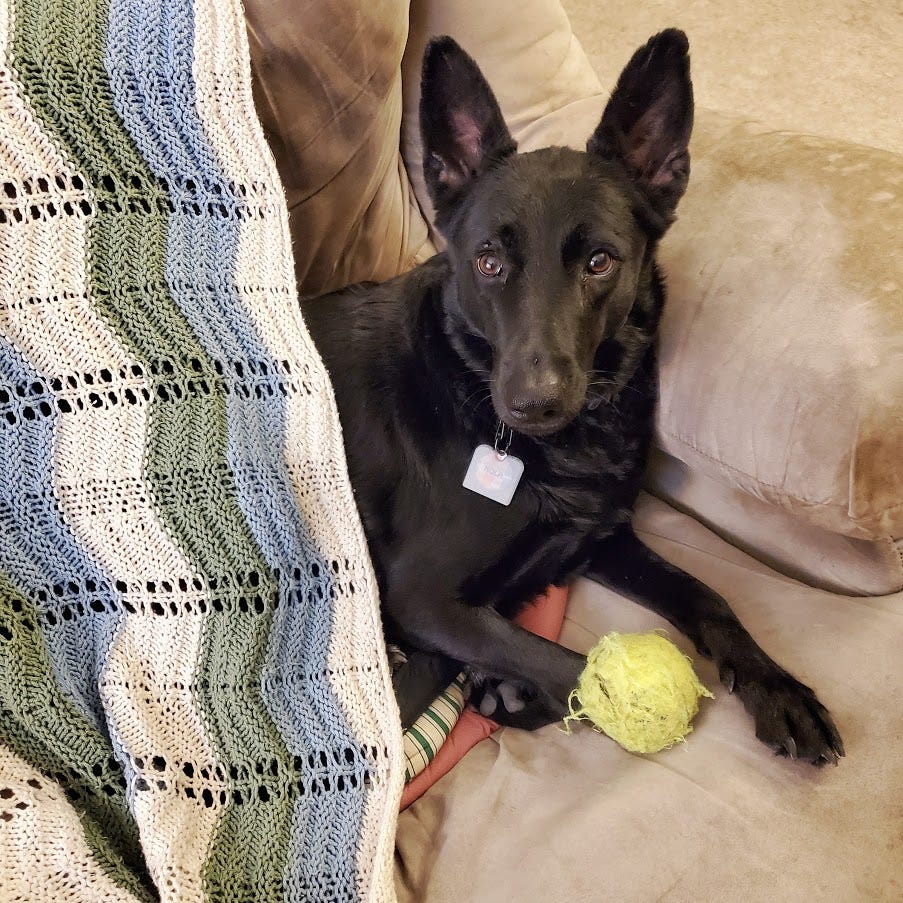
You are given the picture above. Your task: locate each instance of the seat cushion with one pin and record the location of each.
(547, 816)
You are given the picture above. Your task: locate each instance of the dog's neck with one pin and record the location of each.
(457, 364)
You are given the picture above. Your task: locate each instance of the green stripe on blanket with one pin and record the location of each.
(175, 516)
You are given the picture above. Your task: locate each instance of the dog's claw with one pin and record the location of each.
(829, 757)
(729, 678)
(789, 718)
(836, 743)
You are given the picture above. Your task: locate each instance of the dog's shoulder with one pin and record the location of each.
(368, 324)
(370, 337)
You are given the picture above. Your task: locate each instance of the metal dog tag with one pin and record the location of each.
(493, 474)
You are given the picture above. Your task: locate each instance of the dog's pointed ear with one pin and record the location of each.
(460, 122)
(649, 118)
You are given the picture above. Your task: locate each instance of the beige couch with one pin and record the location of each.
(778, 477)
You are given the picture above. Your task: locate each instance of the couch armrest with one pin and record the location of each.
(782, 340)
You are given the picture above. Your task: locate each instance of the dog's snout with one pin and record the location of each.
(537, 394)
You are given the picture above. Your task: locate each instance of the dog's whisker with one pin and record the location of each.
(611, 383)
(474, 393)
(482, 395)
(482, 401)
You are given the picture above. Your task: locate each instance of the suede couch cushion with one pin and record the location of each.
(778, 537)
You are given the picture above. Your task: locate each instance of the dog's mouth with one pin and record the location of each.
(535, 419)
(532, 427)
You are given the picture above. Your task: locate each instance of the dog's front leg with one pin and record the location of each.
(430, 616)
(787, 714)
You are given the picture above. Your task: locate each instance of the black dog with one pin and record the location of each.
(546, 303)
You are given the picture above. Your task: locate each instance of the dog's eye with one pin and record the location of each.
(489, 264)
(601, 263)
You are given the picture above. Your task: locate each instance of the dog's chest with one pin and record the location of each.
(564, 495)
(590, 479)
(503, 555)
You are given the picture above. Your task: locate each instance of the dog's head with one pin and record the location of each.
(548, 248)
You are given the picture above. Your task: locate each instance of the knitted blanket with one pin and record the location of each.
(194, 696)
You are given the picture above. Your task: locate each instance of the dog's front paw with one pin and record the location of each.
(515, 703)
(501, 696)
(788, 715)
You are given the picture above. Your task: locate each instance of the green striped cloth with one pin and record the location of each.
(424, 738)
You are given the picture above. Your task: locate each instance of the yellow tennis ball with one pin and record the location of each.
(640, 689)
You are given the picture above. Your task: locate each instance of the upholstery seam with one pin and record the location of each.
(788, 497)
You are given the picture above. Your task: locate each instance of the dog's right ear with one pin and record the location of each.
(460, 122)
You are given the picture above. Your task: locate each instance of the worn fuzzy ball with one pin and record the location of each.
(640, 689)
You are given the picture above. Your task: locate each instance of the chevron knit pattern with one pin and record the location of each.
(194, 695)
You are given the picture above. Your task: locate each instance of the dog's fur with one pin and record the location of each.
(559, 345)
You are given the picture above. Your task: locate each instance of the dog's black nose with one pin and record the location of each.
(538, 393)
(540, 398)
(537, 408)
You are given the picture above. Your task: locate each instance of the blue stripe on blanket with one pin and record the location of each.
(39, 553)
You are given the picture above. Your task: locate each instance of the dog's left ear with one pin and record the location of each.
(649, 118)
(461, 124)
